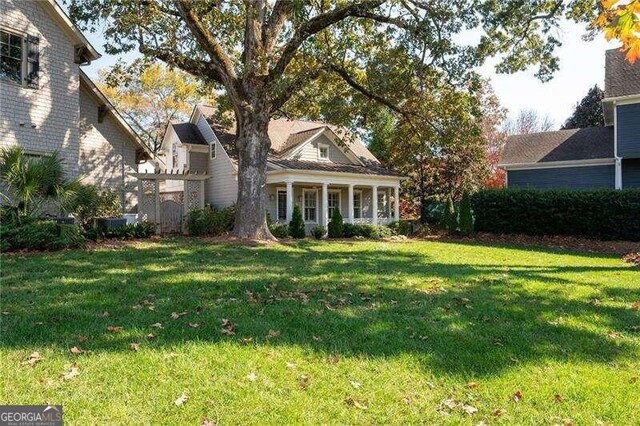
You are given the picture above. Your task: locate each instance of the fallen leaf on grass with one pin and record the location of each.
(176, 315)
(135, 346)
(181, 399)
(355, 385)
(206, 422)
(71, 372)
(557, 398)
(156, 325)
(633, 379)
(33, 359)
(449, 403)
(151, 336)
(304, 381)
(228, 327)
(252, 377)
(353, 402)
(469, 409)
(636, 305)
(170, 355)
(614, 334)
(76, 350)
(114, 329)
(406, 400)
(273, 333)
(82, 339)
(333, 359)
(498, 412)
(38, 323)
(193, 325)
(472, 385)
(104, 314)
(247, 340)
(290, 365)
(316, 338)
(517, 396)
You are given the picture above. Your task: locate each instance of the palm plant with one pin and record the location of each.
(29, 184)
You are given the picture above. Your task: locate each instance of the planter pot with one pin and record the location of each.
(111, 222)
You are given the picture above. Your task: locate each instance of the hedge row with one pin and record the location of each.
(601, 214)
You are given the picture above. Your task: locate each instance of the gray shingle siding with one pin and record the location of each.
(631, 173)
(628, 131)
(586, 177)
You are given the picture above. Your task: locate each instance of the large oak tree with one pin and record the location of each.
(264, 53)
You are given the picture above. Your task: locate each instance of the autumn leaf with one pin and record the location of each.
(557, 398)
(355, 385)
(181, 399)
(206, 422)
(151, 336)
(304, 381)
(498, 412)
(176, 315)
(70, 373)
(247, 340)
(134, 346)
(76, 350)
(353, 402)
(333, 359)
(636, 305)
(273, 333)
(252, 377)
(82, 339)
(316, 338)
(517, 396)
(469, 409)
(104, 314)
(406, 400)
(290, 365)
(114, 329)
(472, 385)
(633, 379)
(228, 327)
(33, 359)
(156, 325)
(193, 325)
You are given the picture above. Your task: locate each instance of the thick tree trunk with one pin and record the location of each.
(253, 147)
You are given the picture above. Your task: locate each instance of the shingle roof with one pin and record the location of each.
(563, 145)
(285, 134)
(333, 167)
(189, 133)
(622, 78)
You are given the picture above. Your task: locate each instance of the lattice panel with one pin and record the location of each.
(177, 197)
(147, 203)
(192, 195)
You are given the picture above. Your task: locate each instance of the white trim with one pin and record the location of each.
(338, 178)
(558, 164)
(320, 147)
(304, 191)
(622, 100)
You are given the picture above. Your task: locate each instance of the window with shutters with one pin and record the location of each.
(20, 59)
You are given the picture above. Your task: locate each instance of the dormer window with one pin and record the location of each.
(19, 58)
(323, 152)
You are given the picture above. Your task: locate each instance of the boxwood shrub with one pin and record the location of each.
(602, 214)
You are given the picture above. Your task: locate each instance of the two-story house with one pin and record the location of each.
(597, 157)
(315, 165)
(47, 103)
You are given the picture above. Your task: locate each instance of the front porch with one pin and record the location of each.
(360, 200)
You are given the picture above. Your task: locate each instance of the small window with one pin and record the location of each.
(310, 201)
(212, 150)
(357, 205)
(323, 152)
(282, 205)
(19, 59)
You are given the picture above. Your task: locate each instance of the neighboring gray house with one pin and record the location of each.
(47, 103)
(312, 164)
(597, 157)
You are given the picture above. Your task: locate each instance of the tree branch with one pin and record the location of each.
(314, 26)
(295, 86)
(272, 27)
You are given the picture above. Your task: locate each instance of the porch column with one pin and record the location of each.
(374, 204)
(350, 192)
(156, 195)
(618, 173)
(289, 200)
(325, 204)
(396, 203)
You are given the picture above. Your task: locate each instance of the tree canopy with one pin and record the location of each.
(588, 112)
(335, 58)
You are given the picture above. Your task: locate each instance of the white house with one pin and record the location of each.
(312, 164)
(47, 103)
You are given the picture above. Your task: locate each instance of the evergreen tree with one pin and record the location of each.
(466, 216)
(450, 218)
(336, 224)
(296, 226)
(588, 112)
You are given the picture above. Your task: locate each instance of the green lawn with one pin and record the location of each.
(363, 332)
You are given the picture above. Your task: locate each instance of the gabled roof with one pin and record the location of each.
(622, 78)
(85, 52)
(188, 133)
(376, 170)
(563, 145)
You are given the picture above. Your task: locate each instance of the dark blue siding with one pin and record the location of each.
(566, 177)
(631, 173)
(628, 131)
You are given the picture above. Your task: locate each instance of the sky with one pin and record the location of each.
(581, 67)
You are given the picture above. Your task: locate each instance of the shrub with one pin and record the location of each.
(402, 227)
(336, 224)
(40, 235)
(137, 230)
(603, 214)
(212, 222)
(279, 230)
(296, 226)
(87, 203)
(450, 217)
(433, 212)
(318, 232)
(366, 231)
(466, 215)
